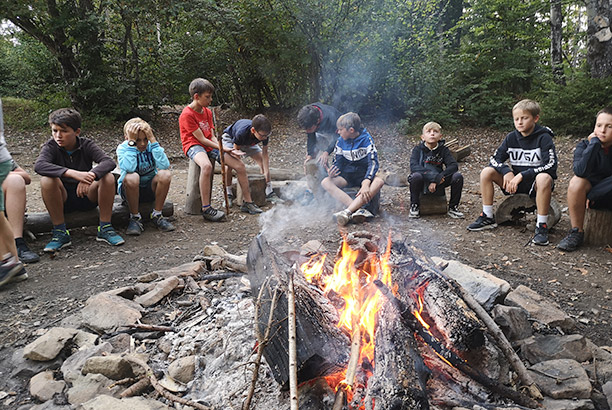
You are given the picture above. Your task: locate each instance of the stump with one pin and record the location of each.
(598, 227)
(193, 201)
(514, 207)
(433, 204)
(257, 186)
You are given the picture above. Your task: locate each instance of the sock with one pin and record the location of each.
(269, 189)
(229, 190)
(205, 207)
(542, 219)
(19, 242)
(156, 213)
(61, 227)
(136, 216)
(103, 224)
(487, 210)
(9, 259)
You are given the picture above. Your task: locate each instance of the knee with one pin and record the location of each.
(164, 176)
(48, 183)
(544, 180)
(578, 185)
(457, 177)
(415, 178)
(131, 180)
(205, 169)
(14, 184)
(326, 182)
(487, 174)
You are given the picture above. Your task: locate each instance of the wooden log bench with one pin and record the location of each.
(598, 227)
(257, 186)
(40, 222)
(433, 204)
(514, 207)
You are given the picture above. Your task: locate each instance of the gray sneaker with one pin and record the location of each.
(162, 223)
(343, 217)
(212, 214)
(572, 241)
(134, 227)
(361, 215)
(250, 208)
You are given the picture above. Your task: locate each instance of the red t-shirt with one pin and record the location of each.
(189, 121)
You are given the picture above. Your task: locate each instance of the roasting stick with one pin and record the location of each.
(221, 158)
(351, 368)
(293, 385)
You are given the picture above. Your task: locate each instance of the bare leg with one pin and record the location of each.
(576, 201)
(161, 186)
(334, 187)
(360, 201)
(54, 195)
(131, 188)
(7, 242)
(488, 176)
(228, 176)
(543, 187)
(103, 192)
(206, 170)
(15, 202)
(243, 179)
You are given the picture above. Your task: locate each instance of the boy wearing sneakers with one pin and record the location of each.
(242, 138)
(532, 170)
(145, 176)
(355, 164)
(432, 169)
(68, 181)
(592, 185)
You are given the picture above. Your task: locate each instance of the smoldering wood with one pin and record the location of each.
(598, 227)
(40, 222)
(322, 348)
(514, 208)
(193, 199)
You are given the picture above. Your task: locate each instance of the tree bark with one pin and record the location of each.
(556, 41)
(599, 47)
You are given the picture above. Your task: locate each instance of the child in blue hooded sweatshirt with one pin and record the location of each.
(145, 176)
(355, 165)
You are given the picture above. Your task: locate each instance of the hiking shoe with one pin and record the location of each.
(230, 200)
(541, 235)
(415, 212)
(162, 223)
(454, 212)
(212, 214)
(272, 197)
(134, 227)
(572, 241)
(343, 217)
(8, 271)
(361, 215)
(26, 255)
(481, 223)
(107, 234)
(250, 208)
(59, 240)
(19, 276)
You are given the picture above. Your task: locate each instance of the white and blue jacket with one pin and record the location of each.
(357, 155)
(145, 163)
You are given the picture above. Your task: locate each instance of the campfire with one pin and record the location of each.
(381, 325)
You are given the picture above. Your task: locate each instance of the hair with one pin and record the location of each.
(530, 106)
(349, 120)
(200, 86)
(605, 110)
(142, 125)
(66, 116)
(261, 123)
(431, 126)
(308, 116)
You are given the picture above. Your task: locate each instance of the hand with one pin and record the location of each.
(333, 171)
(323, 159)
(85, 177)
(149, 133)
(236, 153)
(432, 187)
(131, 133)
(511, 185)
(364, 191)
(82, 189)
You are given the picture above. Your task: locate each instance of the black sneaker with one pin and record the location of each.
(250, 208)
(541, 235)
(481, 223)
(212, 214)
(8, 271)
(414, 211)
(572, 241)
(26, 255)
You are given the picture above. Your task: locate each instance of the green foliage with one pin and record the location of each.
(22, 114)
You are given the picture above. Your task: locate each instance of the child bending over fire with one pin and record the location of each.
(355, 165)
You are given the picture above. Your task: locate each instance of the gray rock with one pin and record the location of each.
(603, 371)
(113, 366)
(550, 404)
(85, 340)
(120, 342)
(540, 348)
(48, 346)
(562, 379)
(607, 390)
(162, 289)
(539, 308)
(43, 386)
(132, 403)
(483, 286)
(104, 312)
(49, 405)
(71, 368)
(183, 369)
(85, 388)
(22, 369)
(513, 321)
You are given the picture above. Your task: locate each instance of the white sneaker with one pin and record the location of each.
(414, 211)
(343, 217)
(361, 215)
(454, 212)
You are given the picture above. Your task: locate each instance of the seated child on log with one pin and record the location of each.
(145, 176)
(532, 170)
(242, 138)
(69, 183)
(355, 165)
(432, 169)
(591, 187)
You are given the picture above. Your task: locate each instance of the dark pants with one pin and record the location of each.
(417, 187)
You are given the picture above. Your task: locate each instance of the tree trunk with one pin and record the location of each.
(556, 41)
(599, 50)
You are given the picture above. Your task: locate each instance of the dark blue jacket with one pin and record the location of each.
(357, 155)
(433, 164)
(329, 115)
(594, 163)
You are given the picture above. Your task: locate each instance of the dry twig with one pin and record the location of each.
(293, 385)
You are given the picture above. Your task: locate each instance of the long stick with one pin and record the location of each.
(351, 368)
(293, 385)
(222, 159)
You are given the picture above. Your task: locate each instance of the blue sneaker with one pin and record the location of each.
(59, 240)
(107, 234)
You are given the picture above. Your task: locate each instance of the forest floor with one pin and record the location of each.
(579, 282)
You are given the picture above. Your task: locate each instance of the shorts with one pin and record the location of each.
(196, 149)
(352, 179)
(74, 203)
(527, 186)
(145, 193)
(249, 150)
(5, 168)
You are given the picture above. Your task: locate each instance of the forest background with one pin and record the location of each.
(455, 61)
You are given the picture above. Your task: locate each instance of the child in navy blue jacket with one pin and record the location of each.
(355, 165)
(145, 176)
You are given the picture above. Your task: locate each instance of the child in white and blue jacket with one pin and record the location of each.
(145, 176)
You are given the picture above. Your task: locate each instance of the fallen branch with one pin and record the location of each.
(152, 328)
(136, 388)
(293, 385)
(220, 276)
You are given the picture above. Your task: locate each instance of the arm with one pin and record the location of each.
(212, 143)
(372, 163)
(127, 157)
(266, 162)
(159, 155)
(311, 143)
(450, 163)
(499, 158)
(23, 174)
(105, 162)
(416, 161)
(45, 165)
(585, 151)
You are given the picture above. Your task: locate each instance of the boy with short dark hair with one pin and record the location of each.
(145, 176)
(432, 169)
(592, 185)
(355, 164)
(242, 138)
(68, 181)
(532, 170)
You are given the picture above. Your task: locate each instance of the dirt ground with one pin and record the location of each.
(580, 282)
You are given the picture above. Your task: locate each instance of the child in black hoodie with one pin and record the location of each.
(432, 169)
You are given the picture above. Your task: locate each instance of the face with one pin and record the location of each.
(261, 136)
(311, 129)
(204, 99)
(64, 136)
(431, 136)
(524, 122)
(346, 133)
(603, 129)
(141, 141)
